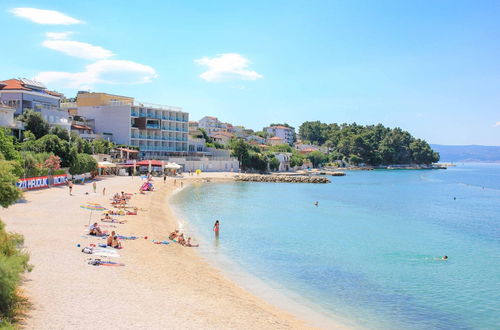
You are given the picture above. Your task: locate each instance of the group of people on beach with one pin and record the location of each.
(176, 235)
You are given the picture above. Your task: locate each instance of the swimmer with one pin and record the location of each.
(316, 203)
(444, 258)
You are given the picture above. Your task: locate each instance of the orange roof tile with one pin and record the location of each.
(14, 84)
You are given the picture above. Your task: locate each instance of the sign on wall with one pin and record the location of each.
(33, 183)
(59, 179)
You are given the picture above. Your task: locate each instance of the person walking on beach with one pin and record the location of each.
(216, 228)
(70, 186)
(94, 185)
(182, 184)
(104, 191)
(164, 178)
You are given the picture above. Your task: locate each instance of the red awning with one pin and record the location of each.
(146, 163)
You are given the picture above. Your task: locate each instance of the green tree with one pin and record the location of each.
(317, 158)
(240, 150)
(9, 193)
(274, 163)
(83, 164)
(62, 133)
(296, 160)
(281, 148)
(34, 122)
(7, 148)
(313, 131)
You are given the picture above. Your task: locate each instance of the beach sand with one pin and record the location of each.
(160, 286)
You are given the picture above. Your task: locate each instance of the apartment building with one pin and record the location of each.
(24, 94)
(287, 134)
(159, 131)
(212, 125)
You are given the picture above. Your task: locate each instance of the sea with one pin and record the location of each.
(369, 255)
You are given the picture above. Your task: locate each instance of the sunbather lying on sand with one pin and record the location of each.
(106, 217)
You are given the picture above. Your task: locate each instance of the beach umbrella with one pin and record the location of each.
(92, 207)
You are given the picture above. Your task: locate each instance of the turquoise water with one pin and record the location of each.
(369, 251)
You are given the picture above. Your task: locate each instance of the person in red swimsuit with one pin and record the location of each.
(216, 228)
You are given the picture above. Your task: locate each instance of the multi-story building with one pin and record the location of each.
(87, 99)
(212, 125)
(7, 119)
(283, 132)
(25, 94)
(159, 131)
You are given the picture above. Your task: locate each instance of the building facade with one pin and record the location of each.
(287, 134)
(212, 125)
(25, 94)
(159, 131)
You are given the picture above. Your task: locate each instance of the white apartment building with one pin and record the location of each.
(159, 131)
(212, 125)
(285, 133)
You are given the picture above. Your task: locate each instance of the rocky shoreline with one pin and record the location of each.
(281, 178)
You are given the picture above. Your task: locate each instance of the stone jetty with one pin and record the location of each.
(282, 178)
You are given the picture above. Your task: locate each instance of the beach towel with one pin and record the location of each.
(161, 242)
(127, 237)
(99, 262)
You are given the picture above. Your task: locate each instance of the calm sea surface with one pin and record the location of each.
(369, 252)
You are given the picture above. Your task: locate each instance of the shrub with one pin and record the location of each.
(13, 262)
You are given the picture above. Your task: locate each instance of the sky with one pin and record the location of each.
(429, 67)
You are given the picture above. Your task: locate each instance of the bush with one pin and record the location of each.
(83, 164)
(13, 262)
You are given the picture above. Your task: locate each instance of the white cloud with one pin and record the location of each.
(43, 16)
(58, 35)
(226, 67)
(78, 49)
(497, 124)
(101, 72)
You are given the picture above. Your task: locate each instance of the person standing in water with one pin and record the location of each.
(216, 228)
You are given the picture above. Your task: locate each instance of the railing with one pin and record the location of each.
(157, 106)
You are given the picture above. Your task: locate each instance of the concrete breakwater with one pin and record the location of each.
(282, 178)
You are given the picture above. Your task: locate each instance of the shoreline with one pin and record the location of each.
(159, 286)
(273, 292)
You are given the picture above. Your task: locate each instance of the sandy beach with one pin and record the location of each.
(160, 286)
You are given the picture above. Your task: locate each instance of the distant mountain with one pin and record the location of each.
(472, 153)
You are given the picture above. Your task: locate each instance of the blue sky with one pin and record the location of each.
(430, 67)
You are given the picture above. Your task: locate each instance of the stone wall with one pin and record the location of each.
(282, 178)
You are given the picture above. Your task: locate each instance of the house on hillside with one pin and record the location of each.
(287, 134)
(275, 140)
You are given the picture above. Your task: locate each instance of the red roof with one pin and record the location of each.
(145, 162)
(275, 138)
(14, 84)
(280, 126)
